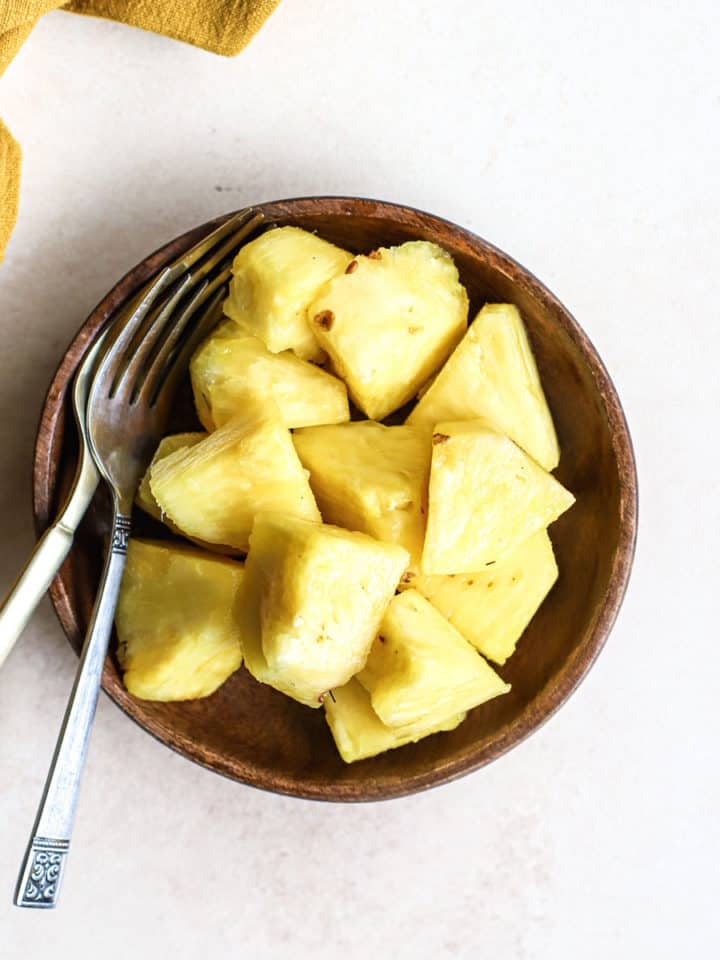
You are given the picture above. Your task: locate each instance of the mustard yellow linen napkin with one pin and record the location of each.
(220, 26)
(9, 184)
(17, 18)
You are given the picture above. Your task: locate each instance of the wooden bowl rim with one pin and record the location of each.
(573, 671)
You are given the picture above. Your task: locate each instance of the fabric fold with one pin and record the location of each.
(9, 185)
(219, 26)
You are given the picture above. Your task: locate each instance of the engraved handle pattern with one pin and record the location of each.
(41, 872)
(121, 535)
(40, 882)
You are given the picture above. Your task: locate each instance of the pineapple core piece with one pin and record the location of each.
(370, 478)
(359, 732)
(231, 364)
(486, 497)
(213, 490)
(389, 321)
(493, 607)
(492, 375)
(144, 497)
(176, 620)
(421, 669)
(274, 279)
(312, 601)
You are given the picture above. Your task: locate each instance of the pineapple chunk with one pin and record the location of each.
(230, 364)
(359, 732)
(146, 501)
(492, 608)
(421, 669)
(390, 321)
(486, 497)
(213, 490)
(312, 601)
(178, 632)
(370, 478)
(274, 279)
(144, 498)
(492, 375)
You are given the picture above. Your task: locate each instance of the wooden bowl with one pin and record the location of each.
(253, 734)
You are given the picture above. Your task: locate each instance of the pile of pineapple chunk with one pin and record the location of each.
(371, 569)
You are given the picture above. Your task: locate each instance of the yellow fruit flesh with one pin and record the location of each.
(213, 491)
(230, 364)
(312, 601)
(370, 478)
(176, 620)
(274, 279)
(421, 669)
(486, 497)
(171, 444)
(391, 322)
(492, 375)
(359, 732)
(491, 608)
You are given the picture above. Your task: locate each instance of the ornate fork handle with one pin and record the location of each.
(42, 869)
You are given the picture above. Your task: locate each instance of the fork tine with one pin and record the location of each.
(166, 371)
(229, 247)
(149, 334)
(249, 218)
(130, 363)
(185, 330)
(158, 360)
(243, 221)
(121, 330)
(124, 332)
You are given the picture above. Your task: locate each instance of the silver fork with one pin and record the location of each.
(127, 409)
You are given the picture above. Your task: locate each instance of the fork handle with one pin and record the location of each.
(42, 869)
(32, 582)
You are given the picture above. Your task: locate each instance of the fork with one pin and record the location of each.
(127, 409)
(52, 548)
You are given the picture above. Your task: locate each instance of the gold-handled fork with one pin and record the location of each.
(128, 404)
(52, 548)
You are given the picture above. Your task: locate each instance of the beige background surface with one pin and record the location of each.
(584, 140)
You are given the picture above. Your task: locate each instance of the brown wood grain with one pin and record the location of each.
(255, 735)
